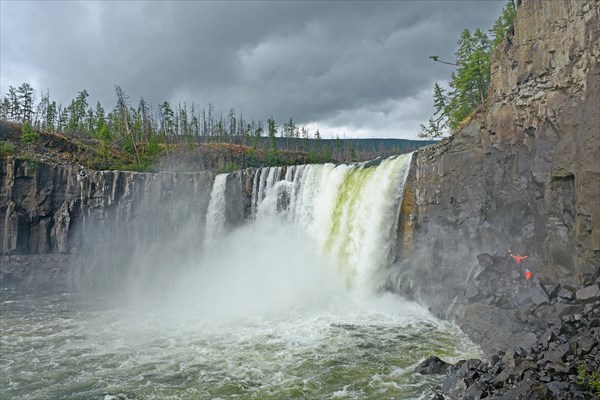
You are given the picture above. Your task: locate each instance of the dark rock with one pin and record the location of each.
(520, 352)
(588, 294)
(567, 309)
(529, 340)
(558, 388)
(474, 392)
(472, 291)
(552, 290)
(539, 391)
(432, 365)
(545, 377)
(454, 385)
(539, 296)
(524, 298)
(584, 345)
(557, 353)
(557, 367)
(565, 294)
(473, 374)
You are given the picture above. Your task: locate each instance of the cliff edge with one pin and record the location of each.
(523, 177)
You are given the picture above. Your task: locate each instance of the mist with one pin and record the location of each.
(262, 268)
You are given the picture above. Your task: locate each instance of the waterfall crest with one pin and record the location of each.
(351, 212)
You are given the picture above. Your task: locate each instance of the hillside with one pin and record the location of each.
(182, 155)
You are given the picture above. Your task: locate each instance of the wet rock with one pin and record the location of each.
(432, 365)
(472, 291)
(474, 392)
(455, 387)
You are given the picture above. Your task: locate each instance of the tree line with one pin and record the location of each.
(143, 130)
(471, 78)
(140, 121)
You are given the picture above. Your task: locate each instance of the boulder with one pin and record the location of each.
(432, 365)
(588, 294)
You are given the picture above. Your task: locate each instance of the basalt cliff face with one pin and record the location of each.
(53, 217)
(522, 176)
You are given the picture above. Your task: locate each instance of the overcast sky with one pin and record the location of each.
(350, 68)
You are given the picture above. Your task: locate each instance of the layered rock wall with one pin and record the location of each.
(50, 212)
(522, 176)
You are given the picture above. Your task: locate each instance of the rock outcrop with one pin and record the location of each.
(50, 212)
(522, 176)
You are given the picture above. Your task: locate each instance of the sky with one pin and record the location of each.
(351, 69)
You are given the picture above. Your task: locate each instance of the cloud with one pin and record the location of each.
(332, 63)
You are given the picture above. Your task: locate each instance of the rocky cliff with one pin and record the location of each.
(523, 177)
(52, 217)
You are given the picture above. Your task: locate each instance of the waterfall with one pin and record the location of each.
(215, 215)
(350, 212)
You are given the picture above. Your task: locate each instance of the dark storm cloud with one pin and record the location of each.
(359, 68)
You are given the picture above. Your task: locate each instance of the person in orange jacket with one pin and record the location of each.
(528, 276)
(518, 259)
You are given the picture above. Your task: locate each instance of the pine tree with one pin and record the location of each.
(25, 93)
(14, 109)
(77, 113)
(469, 82)
(272, 131)
(123, 114)
(50, 117)
(167, 118)
(503, 24)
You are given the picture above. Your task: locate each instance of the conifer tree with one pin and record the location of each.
(469, 82)
(25, 99)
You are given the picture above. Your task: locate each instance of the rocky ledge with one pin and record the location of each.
(561, 362)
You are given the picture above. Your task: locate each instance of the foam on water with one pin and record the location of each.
(63, 346)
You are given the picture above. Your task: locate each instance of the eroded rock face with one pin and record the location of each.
(522, 176)
(47, 209)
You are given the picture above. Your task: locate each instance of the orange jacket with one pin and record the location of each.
(518, 259)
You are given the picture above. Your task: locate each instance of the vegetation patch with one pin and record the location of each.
(6, 148)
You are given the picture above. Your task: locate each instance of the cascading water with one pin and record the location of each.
(286, 306)
(215, 215)
(350, 211)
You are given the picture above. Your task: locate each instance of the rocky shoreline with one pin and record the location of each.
(558, 360)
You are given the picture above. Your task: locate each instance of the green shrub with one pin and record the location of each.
(272, 158)
(229, 167)
(591, 380)
(28, 135)
(30, 161)
(6, 148)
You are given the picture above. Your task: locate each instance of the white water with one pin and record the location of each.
(287, 306)
(350, 212)
(215, 215)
